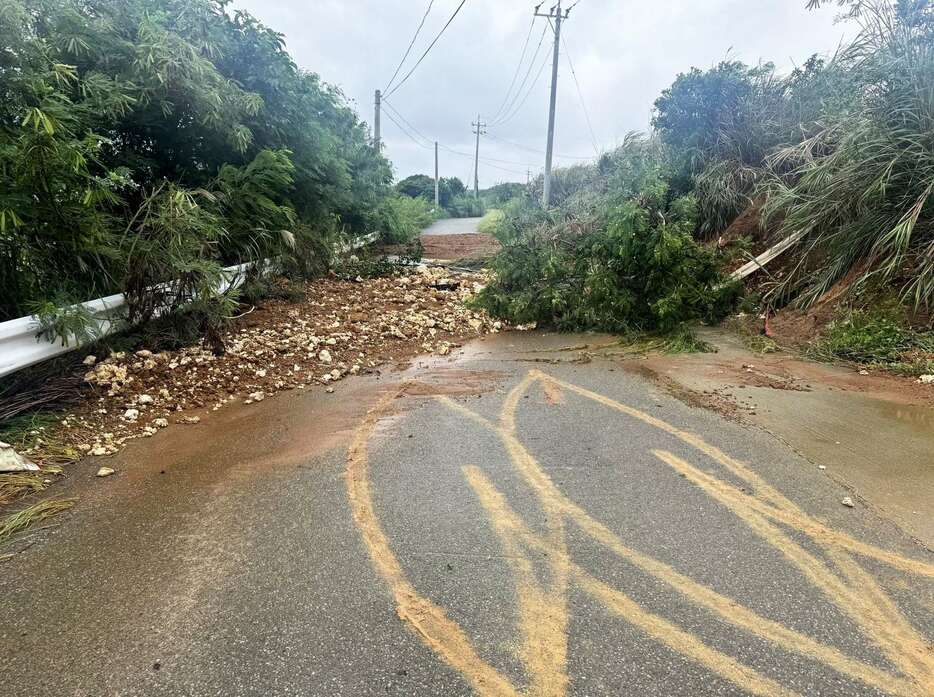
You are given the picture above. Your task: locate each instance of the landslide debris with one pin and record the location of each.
(341, 328)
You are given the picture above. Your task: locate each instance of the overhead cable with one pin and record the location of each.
(411, 44)
(427, 50)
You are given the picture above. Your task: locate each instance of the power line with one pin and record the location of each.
(580, 94)
(427, 50)
(408, 123)
(445, 147)
(408, 129)
(515, 112)
(405, 131)
(515, 75)
(525, 80)
(484, 159)
(538, 152)
(411, 44)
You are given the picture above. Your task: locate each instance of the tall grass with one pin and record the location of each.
(860, 189)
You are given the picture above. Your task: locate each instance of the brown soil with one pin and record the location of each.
(747, 225)
(872, 432)
(459, 247)
(341, 328)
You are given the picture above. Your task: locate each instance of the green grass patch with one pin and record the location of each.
(680, 340)
(490, 222)
(758, 343)
(23, 431)
(879, 337)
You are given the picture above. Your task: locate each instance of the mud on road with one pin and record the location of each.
(873, 433)
(524, 516)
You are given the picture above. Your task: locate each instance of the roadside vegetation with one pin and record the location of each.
(145, 145)
(454, 199)
(490, 221)
(838, 154)
(879, 337)
(154, 141)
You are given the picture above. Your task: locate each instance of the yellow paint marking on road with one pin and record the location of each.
(509, 525)
(543, 607)
(541, 589)
(543, 614)
(864, 602)
(814, 528)
(727, 608)
(430, 622)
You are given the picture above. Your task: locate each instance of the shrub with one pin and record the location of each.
(465, 206)
(490, 222)
(423, 186)
(633, 268)
(878, 335)
(860, 192)
(403, 218)
(106, 102)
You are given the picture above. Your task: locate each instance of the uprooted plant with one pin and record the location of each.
(632, 266)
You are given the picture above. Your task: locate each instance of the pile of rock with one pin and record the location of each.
(343, 328)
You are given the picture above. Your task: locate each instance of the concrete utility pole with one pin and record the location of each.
(558, 16)
(479, 126)
(376, 139)
(437, 181)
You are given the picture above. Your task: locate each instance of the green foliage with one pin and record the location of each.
(423, 186)
(720, 125)
(692, 114)
(681, 339)
(118, 119)
(465, 206)
(879, 336)
(404, 218)
(840, 151)
(500, 194)
(491, 221)
(760, 344)
(65, 321)
(859, 191)
(634, 267)
(364, 265)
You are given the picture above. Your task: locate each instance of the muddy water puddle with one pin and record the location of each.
(874, 433)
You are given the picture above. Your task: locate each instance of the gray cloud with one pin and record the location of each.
(624, 54)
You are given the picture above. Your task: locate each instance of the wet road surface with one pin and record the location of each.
(518, 519)
(453, 226)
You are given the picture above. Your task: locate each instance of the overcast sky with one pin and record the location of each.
(624, 52)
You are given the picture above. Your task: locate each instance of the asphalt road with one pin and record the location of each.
(517, 519)
(453, 226)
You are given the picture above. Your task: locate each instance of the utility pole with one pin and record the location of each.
(558, 16)
(479, 126)
(376, 139)
(437, 181)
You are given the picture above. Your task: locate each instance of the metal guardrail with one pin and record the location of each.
(22, 346)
